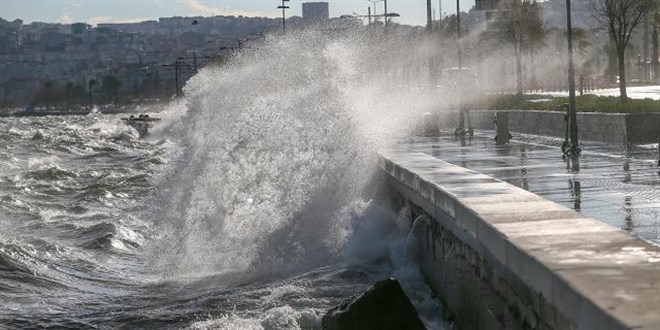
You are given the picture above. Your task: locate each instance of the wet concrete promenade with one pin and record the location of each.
(617, 185)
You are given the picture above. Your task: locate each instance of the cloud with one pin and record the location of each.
(109, 19)
(208, 10)
(133, 20)
(99, 19)
(66, 18)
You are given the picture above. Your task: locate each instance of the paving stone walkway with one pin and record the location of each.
(615, 184)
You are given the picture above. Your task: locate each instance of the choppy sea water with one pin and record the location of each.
(250, 205)
(77, 228)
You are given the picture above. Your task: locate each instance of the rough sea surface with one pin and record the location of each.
(250, 205)
(77, 228)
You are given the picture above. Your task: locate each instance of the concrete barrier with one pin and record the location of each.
(643, 128)
(500, 257)
(502, 131)
(606, 127)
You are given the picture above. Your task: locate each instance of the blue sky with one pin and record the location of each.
(102, 11)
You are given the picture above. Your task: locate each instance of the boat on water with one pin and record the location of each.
(142, 123)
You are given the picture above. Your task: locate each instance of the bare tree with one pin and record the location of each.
(520, 24)
(621, 17)
(533, 34)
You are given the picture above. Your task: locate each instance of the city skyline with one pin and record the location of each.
(122, 11)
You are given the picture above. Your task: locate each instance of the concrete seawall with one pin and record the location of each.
(500, 257)
(605, 127)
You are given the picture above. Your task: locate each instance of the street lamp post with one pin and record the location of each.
(374, 2)
(429, 30)
(572, 111)
(284, 8)
(458, 32)
(462, 112)
(195, 61)
(439, 10)
(385, 12)
(429, 19)
(177, 72)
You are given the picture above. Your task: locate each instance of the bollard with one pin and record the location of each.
(565, 146)
(502, 127)
(470, 129)
(463, 119)
(569, 146)
(581, 85)
(429, 126)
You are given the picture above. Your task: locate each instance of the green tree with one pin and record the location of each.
(45, 94)
(69, 92)
(111, 86)
(91, 85)
(151, 85)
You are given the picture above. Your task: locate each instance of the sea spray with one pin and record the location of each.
(278, 155)
(262, 143)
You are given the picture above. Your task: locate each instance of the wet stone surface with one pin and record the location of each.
(615, 184)
(552, 265)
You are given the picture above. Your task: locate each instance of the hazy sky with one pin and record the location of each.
(101, 11)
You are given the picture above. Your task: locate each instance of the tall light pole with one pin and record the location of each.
(458, 32)
(176, 66)
(385, 13)
(195, 60)
(374, 2)
(572, 111)
(284, 8)
(440, 10)
(429, 19)
(429, 30)
(177, 73)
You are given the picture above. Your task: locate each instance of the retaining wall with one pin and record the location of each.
(606, 127)
(500, 257)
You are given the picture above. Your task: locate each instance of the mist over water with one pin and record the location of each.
(250, 206)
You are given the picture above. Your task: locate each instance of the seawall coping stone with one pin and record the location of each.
(595, 275)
